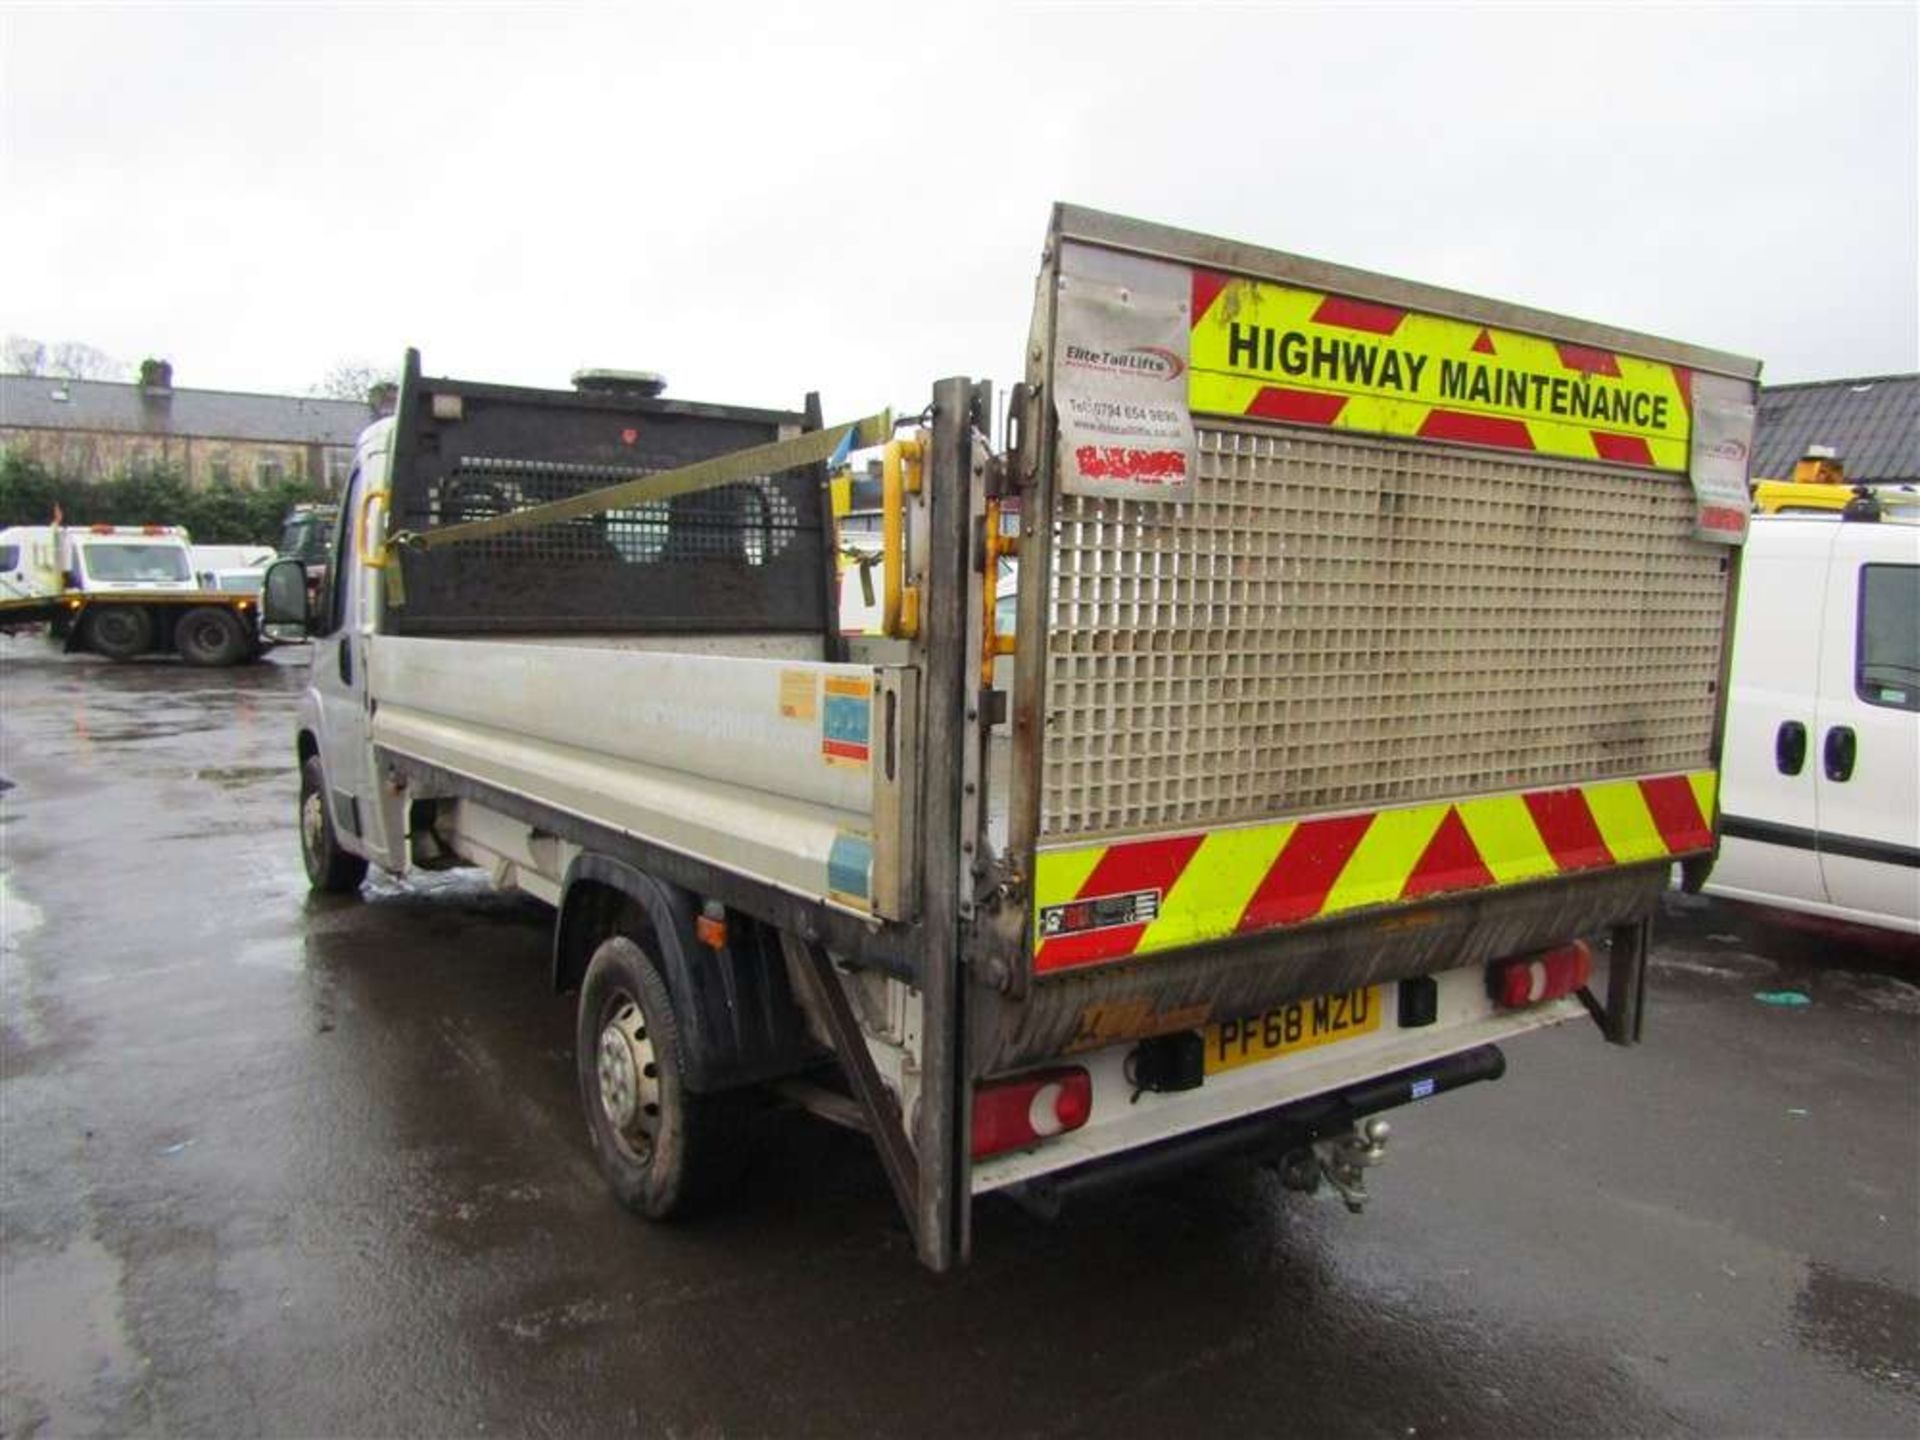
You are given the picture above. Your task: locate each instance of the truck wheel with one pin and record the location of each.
(208, 635)
(329, 868)
(666, 1151)
(119, 632)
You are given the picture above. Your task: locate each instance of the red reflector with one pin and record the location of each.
(1531, 979)
(1008, 1114)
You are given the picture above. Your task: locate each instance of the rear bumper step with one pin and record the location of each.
(1274, 1132)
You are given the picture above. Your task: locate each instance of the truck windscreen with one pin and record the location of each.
(307, 539)
(130, 564)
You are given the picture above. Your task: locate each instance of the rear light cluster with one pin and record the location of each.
(1531, 979)
(1010, 1114)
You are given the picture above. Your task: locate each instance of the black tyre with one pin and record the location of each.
(208, 635)
(119, 632)
(329, 868)
(667, 1152)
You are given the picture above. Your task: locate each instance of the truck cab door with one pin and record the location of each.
(1770, 756)
(340, 690)
(1866, 755)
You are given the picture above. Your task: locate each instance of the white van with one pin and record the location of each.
(1820, 775)
(240, 568)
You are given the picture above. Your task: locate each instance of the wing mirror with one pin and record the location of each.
(284, 613)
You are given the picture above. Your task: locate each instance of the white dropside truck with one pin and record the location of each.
(1367, 670)
(122, 591)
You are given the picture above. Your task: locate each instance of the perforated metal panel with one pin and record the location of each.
(749, 556)
(751, 522)
(1341, 623)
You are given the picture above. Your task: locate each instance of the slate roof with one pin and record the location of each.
(1873, 422)
(28, 401)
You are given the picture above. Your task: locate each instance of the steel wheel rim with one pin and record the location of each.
(629, 1077)
(313, 826)
(116, 627)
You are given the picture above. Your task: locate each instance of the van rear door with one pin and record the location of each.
(1769, 824)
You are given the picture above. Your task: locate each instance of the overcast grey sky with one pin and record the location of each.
(759, 200)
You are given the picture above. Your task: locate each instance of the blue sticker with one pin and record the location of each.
(850, 865)
(846, 721)
(1422, 1089)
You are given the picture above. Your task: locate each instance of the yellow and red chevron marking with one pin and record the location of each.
(1305, 357)
(1099, 903)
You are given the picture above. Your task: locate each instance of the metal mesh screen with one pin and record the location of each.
(750, 556)
(1336, 623)
(751, 523)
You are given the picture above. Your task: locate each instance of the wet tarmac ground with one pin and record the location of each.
(277, 1165)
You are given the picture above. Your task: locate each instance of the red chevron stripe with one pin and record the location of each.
(1683, 380)
(1592, 361)
(1124, 869)
(1474, 429)
(1676, 813)
(1303, 407)
(1621, 449)
(1566, 825)
(1207, 285)
(1358, 315)
(1296, 884)
(1451, 861)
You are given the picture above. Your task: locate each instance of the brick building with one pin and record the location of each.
(95, 429)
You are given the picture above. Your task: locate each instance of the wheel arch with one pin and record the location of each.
(737, 1014)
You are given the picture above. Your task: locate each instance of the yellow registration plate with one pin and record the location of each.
(1287, 1028)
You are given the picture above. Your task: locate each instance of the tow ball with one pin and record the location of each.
(1340, 1160)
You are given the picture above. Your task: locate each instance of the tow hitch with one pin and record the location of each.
(1340, 1160)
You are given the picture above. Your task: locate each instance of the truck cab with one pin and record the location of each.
(126, 557)
(28, 567)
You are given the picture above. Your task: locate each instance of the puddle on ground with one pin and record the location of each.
(73, 1366)
(1871, 1328)
(234, 776)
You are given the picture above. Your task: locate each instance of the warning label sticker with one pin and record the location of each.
(1306, 357)
(1120, 380)
(846, 721)
(797, 689)
(850, 868)
(1102, 912)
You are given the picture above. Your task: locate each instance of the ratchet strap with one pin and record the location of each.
(809, 449)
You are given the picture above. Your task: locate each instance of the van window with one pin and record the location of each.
(9, 557)
(1887, 656)
(341, 575)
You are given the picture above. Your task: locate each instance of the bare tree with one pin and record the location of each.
(76, 360)
(352, 380)
(64, 359)
(24, 355)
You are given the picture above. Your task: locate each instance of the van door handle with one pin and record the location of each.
(1790, 747)
(346, 659)
(1839, 753)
